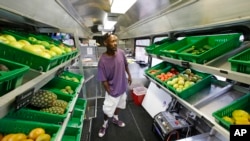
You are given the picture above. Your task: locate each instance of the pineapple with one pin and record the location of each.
(60, 103)
(43, 99)
(54, 110)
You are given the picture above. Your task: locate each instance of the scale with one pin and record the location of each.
(166, 123)
(155, 100)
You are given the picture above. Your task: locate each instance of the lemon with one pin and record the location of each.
(228, 119)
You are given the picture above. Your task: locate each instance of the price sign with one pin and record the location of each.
(185, 64)
(23, 99)
(59, 71)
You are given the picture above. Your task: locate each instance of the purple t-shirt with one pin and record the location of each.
(112, 69)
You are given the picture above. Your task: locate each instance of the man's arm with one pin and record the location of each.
(128, 73)
(106, 86)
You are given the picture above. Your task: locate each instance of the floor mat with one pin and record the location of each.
(138, 125)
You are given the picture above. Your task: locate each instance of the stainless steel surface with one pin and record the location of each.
(39, 13)
(207, 108)
(200, 137)
(145, 17)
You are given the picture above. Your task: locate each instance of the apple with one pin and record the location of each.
(32, 39)
(45, 43)
(67, 49)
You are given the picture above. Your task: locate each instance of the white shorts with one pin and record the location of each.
(111, 103)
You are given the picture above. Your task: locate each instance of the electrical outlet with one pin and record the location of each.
(192, 115)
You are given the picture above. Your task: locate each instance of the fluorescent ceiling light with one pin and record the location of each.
(121, 6)
(108, 25)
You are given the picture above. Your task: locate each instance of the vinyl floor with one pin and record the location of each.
(138, 125)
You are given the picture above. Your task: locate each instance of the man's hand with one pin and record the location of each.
(129, 80)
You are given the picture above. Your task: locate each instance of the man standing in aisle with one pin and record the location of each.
(112, 69)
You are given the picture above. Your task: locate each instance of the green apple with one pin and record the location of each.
(32, 39)
(67, 49)
(45, 43)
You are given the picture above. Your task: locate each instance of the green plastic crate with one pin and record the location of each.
(50, 40)
(241, 103)
(159, 67)
(156, 47)
(24, 57)
(172, 50)
(57, 84)
(76, 119)
(216, 45)
(186, 93)
(241, 62)
(81, 104)
(64, 75)
(30, 114)
(20, 126)
(9, 80)
(72, 134)
(167, 69)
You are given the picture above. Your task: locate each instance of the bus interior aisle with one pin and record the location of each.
(138, 121)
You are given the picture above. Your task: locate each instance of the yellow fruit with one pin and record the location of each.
(34, 133)
(228, 119)
(6, 137)
(240, 113)
(18, 137)
(238, 122)
(241, 119)
(10, 37)
(1, 136)
(16, 44)
(43, 137)
(57, 50)
(68, 88)
(24, 42)
(28, 140)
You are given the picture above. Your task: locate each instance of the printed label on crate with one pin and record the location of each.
(23, 99)
(238, 132)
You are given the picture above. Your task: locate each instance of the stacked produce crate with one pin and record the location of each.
(50, 106)
(36, 52)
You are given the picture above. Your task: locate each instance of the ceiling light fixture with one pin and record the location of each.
(121, 6)
(108, 25)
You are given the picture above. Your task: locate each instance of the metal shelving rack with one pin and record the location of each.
(21, 16)
(218, 67)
